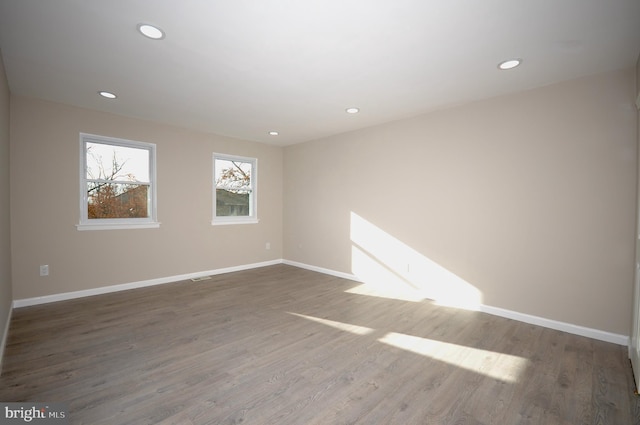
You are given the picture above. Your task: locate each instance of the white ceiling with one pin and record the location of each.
(242, 68)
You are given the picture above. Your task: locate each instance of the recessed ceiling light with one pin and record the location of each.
(273, 133)
(509, 64)
(151, 31)
(107, 94)
(352, 110)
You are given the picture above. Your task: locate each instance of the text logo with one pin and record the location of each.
(34, 413)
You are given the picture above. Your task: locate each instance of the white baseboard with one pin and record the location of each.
(509, 314)
(496, 311)
(557, 325)
(5, 335)
(342, 275)
(26, 302)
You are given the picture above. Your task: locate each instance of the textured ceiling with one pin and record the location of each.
(242, 68)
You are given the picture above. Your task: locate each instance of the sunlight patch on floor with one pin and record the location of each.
(347, 327)
(504, 367)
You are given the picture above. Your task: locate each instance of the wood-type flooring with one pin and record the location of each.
(283, 345)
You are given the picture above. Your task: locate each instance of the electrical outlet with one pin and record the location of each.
(268, 245)
(44, 270)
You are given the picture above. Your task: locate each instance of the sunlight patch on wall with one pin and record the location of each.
(389, 268)
(380, 281)
(504, 367)
(347, 327)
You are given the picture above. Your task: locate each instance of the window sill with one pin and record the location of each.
(224, 222)
(115, 226)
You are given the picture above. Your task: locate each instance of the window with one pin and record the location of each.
(234, 197)
(117, 184)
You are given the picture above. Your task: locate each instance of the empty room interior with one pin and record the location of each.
(320, 212)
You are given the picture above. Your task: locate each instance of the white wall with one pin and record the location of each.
(45, 204)
(5, 225)
(528, 199)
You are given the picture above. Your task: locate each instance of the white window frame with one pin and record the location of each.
(252, 218)
(116, 223)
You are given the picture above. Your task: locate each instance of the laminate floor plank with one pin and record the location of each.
(287, 346)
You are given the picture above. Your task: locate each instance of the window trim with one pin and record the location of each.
(116, 223)
(252, 218)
